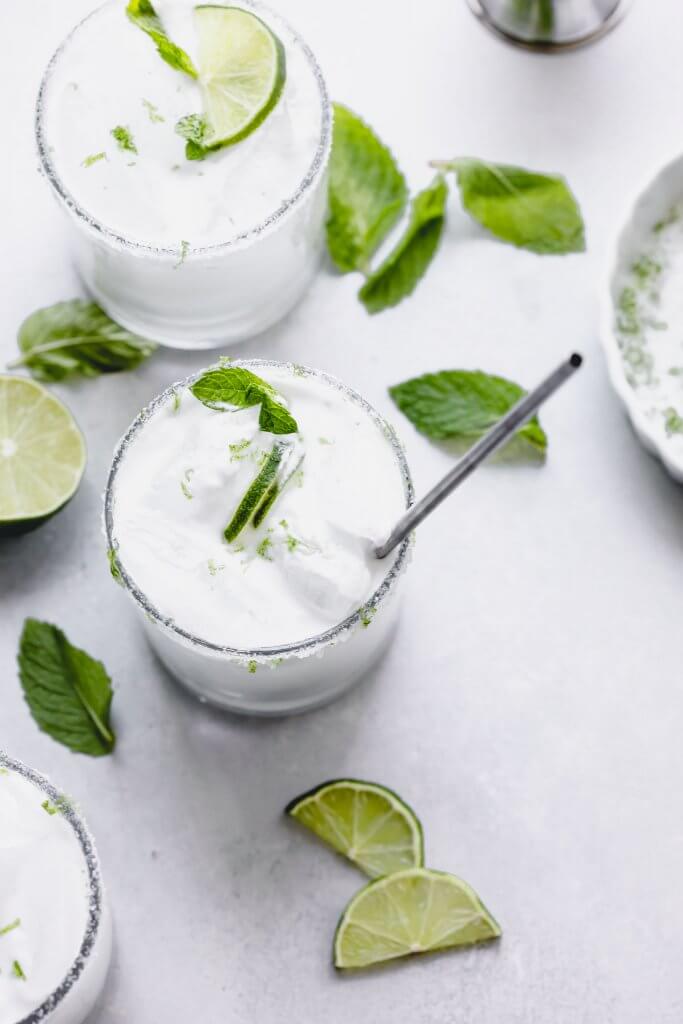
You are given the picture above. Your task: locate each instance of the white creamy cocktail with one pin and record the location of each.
(259, 589)
(55, 929)
(189, 252)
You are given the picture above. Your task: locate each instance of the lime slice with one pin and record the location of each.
(365, 822)
(42, 455)
(413, 911)
(256, 491)
(242, 71)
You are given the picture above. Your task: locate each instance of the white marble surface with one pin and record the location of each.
(531, 708)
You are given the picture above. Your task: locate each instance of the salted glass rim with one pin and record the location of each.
(298, 648)
(94, 883)
(273, 219)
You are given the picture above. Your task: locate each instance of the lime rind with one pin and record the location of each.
(256, 492)
(42, 455)
(237, 98)
(410, 912)
(365, 822)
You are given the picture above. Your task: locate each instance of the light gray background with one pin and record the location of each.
(531, 707)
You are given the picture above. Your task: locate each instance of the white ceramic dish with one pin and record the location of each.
(653, 203)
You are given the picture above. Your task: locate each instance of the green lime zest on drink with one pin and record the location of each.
(242, 74)
(93, 159)
(365, 822)
(255, 492)
(42, 455)
(18, 971)
(143, 15)
(124, 139)
(11, 926)
(153, 112)
(410, 912)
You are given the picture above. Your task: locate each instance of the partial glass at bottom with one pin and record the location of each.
(290, 678)
(549, 24)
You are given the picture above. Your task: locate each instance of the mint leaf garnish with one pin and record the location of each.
(235, 386)
(533, 211)
(77, 338)
(367, 192)
(90, 160)
(124, 139)
(11, 926)
(256, 491)
(17, 970)
(142, 14)
(401, 271)
(462, 404)
(68, 693)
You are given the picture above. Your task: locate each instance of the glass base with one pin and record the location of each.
(549, 26)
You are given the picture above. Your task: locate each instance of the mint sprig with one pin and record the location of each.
(462, 404)
(526, 208)
(68, 693)
(142, 14)
(398, 275)
(367, 192)
(235, 386)
(77, 338)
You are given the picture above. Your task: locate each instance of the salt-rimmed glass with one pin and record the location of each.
(75, 996)
(224, 293)
(289, 677)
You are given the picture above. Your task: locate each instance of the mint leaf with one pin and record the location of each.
(195, 130)
(235, 386)
(367, 192)
(124, 139)
(77, 338)
(142, 14)
(533, 211)
(401, 271)
(462, 404)
(68, 693)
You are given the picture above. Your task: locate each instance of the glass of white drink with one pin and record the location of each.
(188, 252)
(258, 605)
(55, 928)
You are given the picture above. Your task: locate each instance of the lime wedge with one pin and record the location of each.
(42, 455)
(413, 911)
(242, 70)
(363, 821)
(256, 491)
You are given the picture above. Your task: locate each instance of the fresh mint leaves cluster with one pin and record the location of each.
(368, 196)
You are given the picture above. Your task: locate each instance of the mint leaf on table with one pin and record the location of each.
(77, 338)
(142, 14)
(68, 693)
(235, 386)
(398, 275)
(367, 192)
(533, 211)
(124, 139)
(462, 404)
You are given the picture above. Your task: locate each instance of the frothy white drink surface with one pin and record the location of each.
(109, 74)
(307, 566)
(43, 887)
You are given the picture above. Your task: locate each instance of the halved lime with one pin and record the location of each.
(242, 69)
(42, 454)
(363, 821)
(413, 911)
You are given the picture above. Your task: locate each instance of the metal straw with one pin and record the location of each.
(497, 435)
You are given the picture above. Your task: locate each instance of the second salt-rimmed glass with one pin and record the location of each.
(74, 998)
(221, 293)
(286, 678)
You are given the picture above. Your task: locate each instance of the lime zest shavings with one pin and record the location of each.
(93, 159)
(124, 138)
(143, 15)
(18, 971)
(11, 926)
(255, 492)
